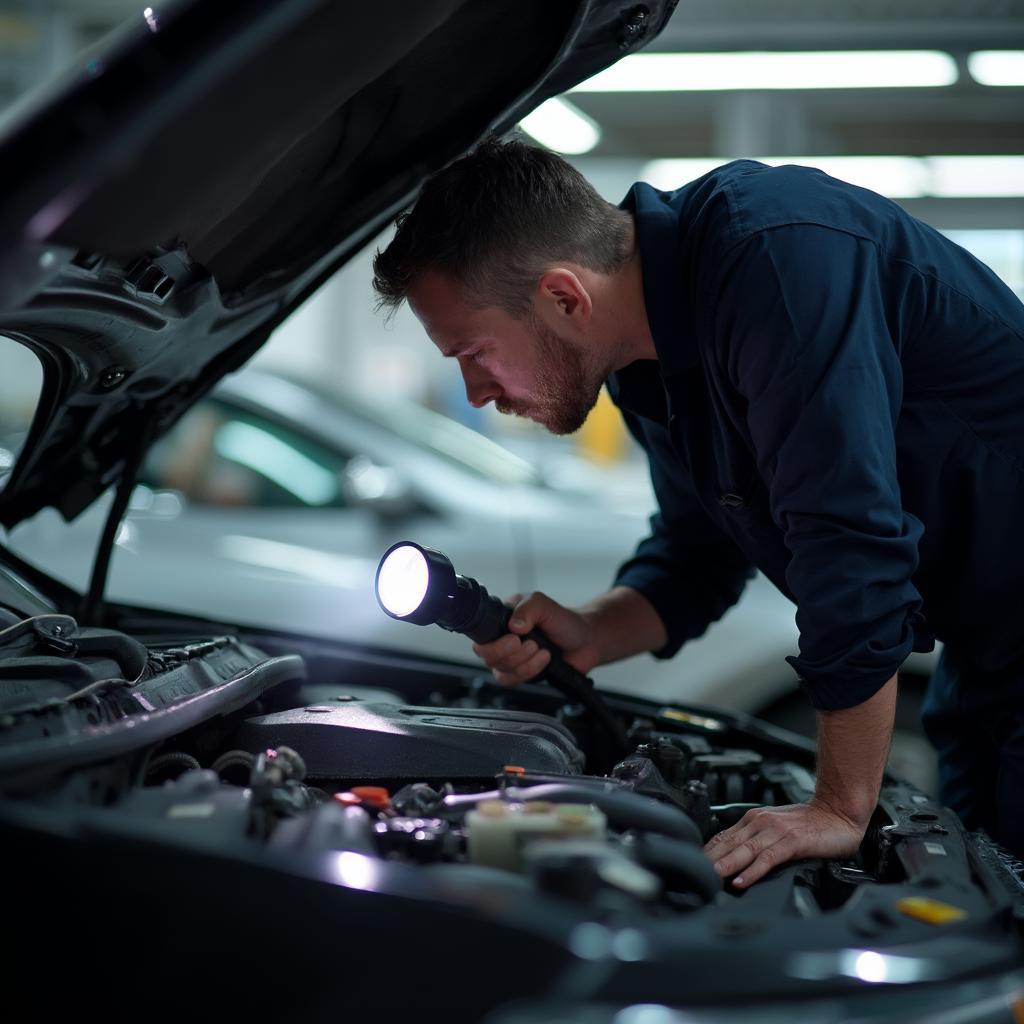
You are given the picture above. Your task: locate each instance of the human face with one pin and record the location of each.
(525, 367)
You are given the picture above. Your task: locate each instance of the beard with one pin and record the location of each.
(566, 390)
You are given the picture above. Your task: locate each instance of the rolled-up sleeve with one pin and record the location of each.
(801, 327)
(689, 570)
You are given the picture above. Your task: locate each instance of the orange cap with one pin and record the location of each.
(375, 796)
(514, 769)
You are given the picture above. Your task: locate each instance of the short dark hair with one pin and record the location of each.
(494, 220)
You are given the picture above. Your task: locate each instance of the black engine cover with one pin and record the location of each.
(384, 741)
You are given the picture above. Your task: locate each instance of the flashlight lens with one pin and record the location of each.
(402, 581)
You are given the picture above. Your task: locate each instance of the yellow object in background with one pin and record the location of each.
(1017, 1005)
(930, 911)
(602, 438)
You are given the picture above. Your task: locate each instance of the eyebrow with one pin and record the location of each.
(454, 350)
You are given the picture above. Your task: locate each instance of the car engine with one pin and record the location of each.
(431, 784)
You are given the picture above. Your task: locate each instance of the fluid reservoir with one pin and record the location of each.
(498, 831)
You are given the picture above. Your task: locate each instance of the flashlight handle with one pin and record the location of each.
(558, 671)
(491, 622)
(580, 689)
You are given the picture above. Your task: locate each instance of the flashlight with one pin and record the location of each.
(420, 585)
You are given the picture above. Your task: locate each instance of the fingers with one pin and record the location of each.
(768, 836)
(751, 857)
(783, 849)
(752, 847)
(733, 849)
(511, 659)
(531, 612)
(514, 658)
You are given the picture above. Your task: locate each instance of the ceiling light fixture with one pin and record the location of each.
(997, 67)
(560, 126)
(898, 177)
(976, 176)
(840, 69)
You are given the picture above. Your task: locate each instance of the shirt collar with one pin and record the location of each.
(640, 387)
(657, 217)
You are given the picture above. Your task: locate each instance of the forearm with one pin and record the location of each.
(623, 623)
(853, 745)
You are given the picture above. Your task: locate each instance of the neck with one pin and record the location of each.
(631, 331)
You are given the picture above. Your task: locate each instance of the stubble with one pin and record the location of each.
(566, 390)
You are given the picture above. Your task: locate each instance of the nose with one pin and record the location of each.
(480, 387)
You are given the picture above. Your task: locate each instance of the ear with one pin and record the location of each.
(561, 297)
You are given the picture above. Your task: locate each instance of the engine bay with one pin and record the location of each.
(432, 785)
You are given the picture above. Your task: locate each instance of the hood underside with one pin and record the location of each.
(175, 197)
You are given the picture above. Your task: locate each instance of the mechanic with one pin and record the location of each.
(826, 389)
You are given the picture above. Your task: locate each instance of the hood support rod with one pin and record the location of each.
(91, 611)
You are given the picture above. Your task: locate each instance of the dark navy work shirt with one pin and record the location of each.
(838, 401)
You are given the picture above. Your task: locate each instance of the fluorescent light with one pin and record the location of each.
(670, 174)
(893, 176)
(898, 177)
(841, 69)
(976, 176)
(997, 67)
(560, 126)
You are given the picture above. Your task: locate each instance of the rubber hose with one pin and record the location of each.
(186, 762)
(233, 759)
(681, 862)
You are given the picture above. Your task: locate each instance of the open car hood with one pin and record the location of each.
(175, 196)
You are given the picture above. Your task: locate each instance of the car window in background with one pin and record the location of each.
(430, 431)
(223, 456)
(21, 381)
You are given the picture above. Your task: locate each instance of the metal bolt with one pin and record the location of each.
(112, 376)
(634, 27)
